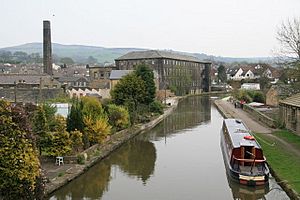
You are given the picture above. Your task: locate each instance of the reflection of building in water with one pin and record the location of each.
(189, 113)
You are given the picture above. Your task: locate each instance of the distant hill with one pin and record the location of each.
(79, 53)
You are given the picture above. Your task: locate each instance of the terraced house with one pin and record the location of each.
(182, 73)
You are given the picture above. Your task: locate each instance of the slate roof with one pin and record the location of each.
(237, 131)
(151, 54)
(292, 100)
(70, 78)
(118, 74)
(27, 79)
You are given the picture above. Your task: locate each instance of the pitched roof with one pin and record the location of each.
(70, 78)
(21, 78)
(150, 54)
(118, 74)
(292, 100)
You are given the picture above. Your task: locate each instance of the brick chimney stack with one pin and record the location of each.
(47, 48)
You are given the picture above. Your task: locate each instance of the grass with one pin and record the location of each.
(289, 137)
(60, 174)
(285, 163)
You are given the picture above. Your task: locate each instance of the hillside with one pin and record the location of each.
(79, 53)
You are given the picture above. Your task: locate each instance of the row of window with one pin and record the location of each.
(181, 63)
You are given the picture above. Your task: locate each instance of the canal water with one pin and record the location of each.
(180, 158)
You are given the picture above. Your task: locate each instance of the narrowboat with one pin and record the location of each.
(243, 156)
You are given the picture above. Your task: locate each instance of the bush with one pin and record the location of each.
(156, 107)
(118, 117)
(80, 159)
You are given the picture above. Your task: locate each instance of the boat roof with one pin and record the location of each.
(237, 131)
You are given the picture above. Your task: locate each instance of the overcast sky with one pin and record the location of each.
(236, 28)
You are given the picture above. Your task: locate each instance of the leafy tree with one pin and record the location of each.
(222, 74)
(91, 107)
(147, 76)
(129, 91)
(41, 129)
(156, 107)
(118, 117)
(19, 163)
(96, 129)
(76, 140)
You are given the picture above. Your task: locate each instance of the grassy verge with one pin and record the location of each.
(289, 137)
(286, 164)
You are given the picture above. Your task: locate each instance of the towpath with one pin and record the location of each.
(230, 111)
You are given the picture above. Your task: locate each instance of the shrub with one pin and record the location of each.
(118, 117)
(80, 159)
(156, 107)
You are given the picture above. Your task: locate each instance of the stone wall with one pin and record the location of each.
(260, 116)
(32, 95)
(290, 117)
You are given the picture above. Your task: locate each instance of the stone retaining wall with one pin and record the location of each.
(260, 116)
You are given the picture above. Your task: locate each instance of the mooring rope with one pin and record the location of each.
(272, 145)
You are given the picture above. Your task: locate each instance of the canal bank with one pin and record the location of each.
(229, 111)
(59, 176)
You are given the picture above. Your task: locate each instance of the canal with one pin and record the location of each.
(179, 159)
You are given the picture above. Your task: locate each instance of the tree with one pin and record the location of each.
(75, 117)
(41, 129)
(288, 36)
(76, 140)
(60, 143)
(67, 61)
(96, 129)
(91, 60)
(19, 163)
(129, 91)
(222, 74)
(118, 117)
(147, 76)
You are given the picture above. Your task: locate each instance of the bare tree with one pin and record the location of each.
(288, 35)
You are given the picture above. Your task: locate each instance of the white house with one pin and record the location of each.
(250, 86)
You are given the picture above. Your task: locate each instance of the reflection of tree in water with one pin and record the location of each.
(189, 113)
(92, 184)
(136, 158)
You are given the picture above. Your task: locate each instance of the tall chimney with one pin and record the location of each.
(47, 49)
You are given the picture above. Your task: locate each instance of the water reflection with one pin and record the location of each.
(135, 158)
(189, 167)
(242, 192)
(191, 112)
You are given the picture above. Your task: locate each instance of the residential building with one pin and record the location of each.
(277, 93)
(28, 88)
(99, 76)
(116, 75)
(289, 110)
